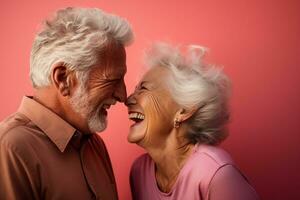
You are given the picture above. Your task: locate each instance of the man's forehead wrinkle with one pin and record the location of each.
(110, 62)
(98, 83)
(96, 90)
(102, 84)
(106, 58)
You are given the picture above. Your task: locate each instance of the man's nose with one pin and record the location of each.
(120, 93)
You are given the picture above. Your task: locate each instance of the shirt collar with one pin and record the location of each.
(58, 130)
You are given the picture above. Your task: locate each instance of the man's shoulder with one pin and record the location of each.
(12, 130)
(96, 138)
(96, 141)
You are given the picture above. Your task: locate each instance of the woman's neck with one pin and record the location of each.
(169, 159)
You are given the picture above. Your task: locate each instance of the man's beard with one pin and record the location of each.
(97, 122)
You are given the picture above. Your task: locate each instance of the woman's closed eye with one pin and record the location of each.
(143, 87)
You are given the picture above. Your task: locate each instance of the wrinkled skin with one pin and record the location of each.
(105, 86)
(152, 99)
(165, 143)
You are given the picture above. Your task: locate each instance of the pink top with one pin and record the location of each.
(209, 173)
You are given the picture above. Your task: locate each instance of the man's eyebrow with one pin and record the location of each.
(121, 73)
(123, 70)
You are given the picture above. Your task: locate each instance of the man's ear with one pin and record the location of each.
(183, 114)
(62, 78)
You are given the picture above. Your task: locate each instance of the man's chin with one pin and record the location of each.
(96, 127)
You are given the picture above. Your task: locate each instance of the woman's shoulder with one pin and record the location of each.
(204, 163)
(213, 156)
(141, 163)
(208, 159)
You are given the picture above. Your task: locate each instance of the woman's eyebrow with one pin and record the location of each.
(141, 84)
(144, 82)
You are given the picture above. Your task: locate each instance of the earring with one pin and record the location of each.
(176, 123)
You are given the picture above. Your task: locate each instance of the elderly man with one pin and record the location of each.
(48, 148)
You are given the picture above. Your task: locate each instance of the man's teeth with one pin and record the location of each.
(136, 116)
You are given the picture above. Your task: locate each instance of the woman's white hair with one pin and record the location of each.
(193, 84)
(76, 37)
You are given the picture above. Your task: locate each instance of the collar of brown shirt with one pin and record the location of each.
(58, 130)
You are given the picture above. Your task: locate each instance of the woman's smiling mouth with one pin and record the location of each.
(136, 117)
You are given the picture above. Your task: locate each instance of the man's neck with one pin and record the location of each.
(51, 100)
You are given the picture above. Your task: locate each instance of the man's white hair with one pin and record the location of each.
(195, 84)
(76, 37)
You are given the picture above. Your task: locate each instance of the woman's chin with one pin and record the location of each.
(134, 137)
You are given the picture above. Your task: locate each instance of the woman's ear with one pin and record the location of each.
(184, 114)
(62, 79)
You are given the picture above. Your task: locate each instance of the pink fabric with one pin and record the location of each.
(209, 173)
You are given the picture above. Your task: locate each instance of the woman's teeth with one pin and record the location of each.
(136, 116)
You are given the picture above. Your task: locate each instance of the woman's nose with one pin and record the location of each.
(130, 100)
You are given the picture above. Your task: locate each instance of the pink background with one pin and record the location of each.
(256, 41)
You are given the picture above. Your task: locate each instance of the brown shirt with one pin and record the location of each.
(44, 157)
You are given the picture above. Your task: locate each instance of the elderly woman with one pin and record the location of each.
(179, 109)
